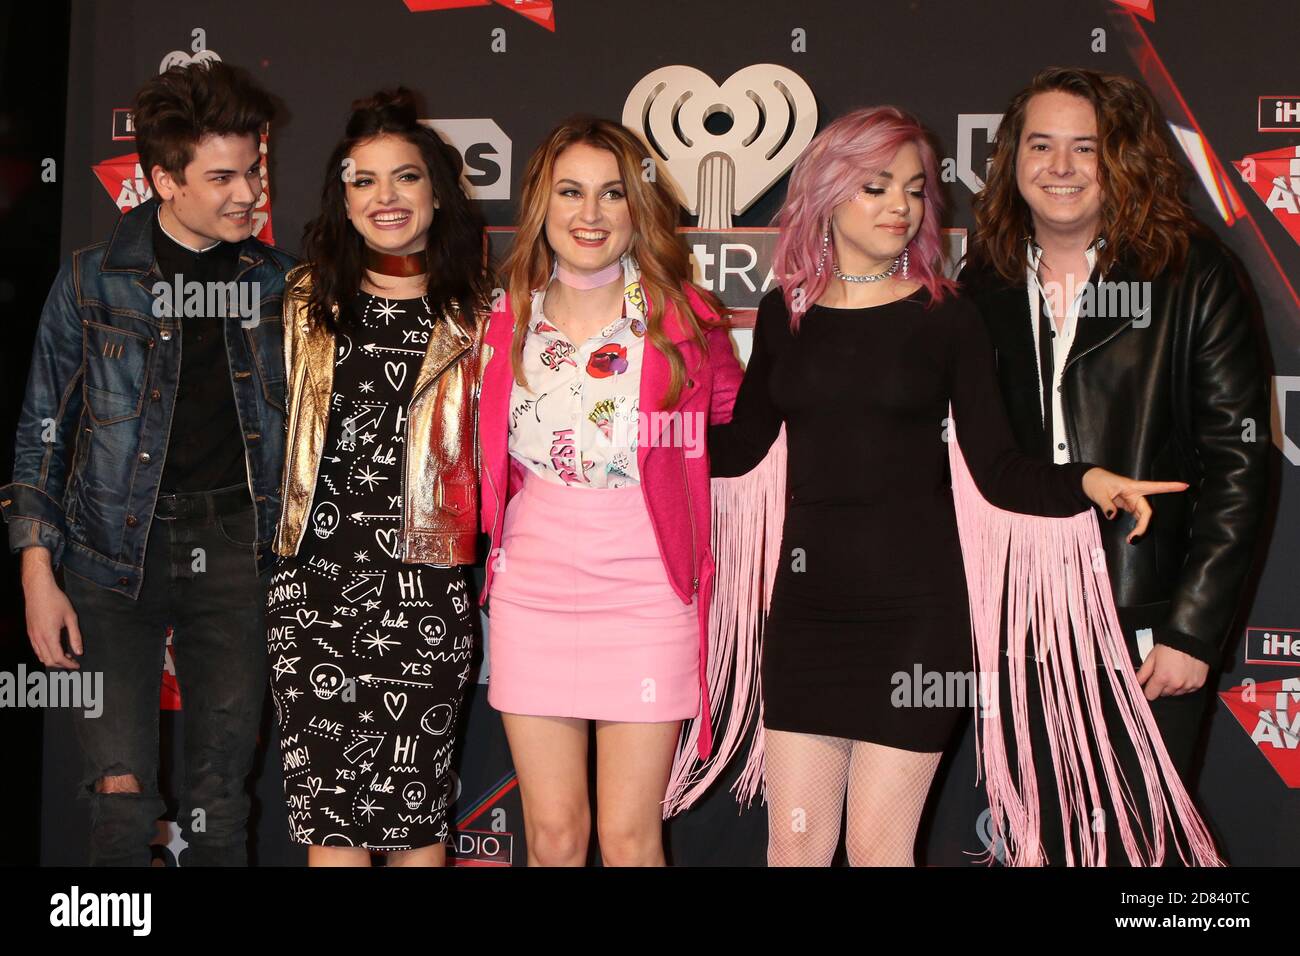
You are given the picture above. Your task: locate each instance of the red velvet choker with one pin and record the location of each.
(385, 264)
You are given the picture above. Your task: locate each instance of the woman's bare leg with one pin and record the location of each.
(550, 758)
(633, 762)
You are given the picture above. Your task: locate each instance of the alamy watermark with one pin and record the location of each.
(214, 300)
(74, 908)
(1106, 299)
(674, 429)
(955, 689)
(53, 688)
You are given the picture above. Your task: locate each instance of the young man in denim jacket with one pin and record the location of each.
(147, 466)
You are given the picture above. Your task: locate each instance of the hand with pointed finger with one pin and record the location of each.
(1112, 492)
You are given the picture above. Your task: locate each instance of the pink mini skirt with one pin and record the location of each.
(581, 619)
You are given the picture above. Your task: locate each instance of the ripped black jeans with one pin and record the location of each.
(200, 579)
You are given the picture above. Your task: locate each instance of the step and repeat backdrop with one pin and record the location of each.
(498, 74)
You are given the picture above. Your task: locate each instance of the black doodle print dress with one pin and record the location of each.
(369, 656)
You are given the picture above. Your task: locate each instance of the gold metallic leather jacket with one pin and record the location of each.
(440, 472)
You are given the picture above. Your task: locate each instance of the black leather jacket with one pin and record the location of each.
(1179, 395)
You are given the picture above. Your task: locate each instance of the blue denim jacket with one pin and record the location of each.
(92, 437)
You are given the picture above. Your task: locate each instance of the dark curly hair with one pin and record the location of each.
(1144, 217)
(178, 107)
(455, 248)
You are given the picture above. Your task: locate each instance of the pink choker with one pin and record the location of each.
(575, 280)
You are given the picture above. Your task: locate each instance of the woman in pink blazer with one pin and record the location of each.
(603, 367)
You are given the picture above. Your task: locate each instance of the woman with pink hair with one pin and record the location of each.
(865, 357)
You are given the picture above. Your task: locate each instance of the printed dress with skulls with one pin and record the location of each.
(369, 656)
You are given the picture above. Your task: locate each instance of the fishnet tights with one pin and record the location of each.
(807, 779)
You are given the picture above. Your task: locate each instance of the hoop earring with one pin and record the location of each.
(826, 244)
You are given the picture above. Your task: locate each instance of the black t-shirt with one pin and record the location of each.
(205, 450)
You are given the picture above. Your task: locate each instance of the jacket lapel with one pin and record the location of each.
(1006, 311)
(1095, 329)
(1014, 339)
(655, 376)
(494, 394)
(318, 344)
(448, 340)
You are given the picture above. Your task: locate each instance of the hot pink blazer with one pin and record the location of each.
(675, 485)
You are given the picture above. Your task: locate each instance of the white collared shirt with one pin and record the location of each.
(1062, 342)
(177, 241)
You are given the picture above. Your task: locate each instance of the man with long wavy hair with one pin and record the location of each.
(1123, 334)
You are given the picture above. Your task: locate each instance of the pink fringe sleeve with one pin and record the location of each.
(1059, 597)
(1053, 571)
(748, 514)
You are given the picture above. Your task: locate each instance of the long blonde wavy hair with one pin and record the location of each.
(656, 245)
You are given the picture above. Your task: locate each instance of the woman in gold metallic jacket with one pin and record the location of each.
(370, 622)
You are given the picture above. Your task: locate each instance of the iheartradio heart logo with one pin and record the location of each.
(772, 114)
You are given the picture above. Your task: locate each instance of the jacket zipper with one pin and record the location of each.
(482, 468)
(690, 510)
(495, 496)
(1067, 423)
(248, 470)
(293, 454)
(248, 465)
(403, 539)
(252, 493)
(485, 468)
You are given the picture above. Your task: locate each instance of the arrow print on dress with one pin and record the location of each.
(366, 584)
(306, 618)
(372, 679)
(360, 517)
(372, 348)
(366, 745)
(313, 786)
